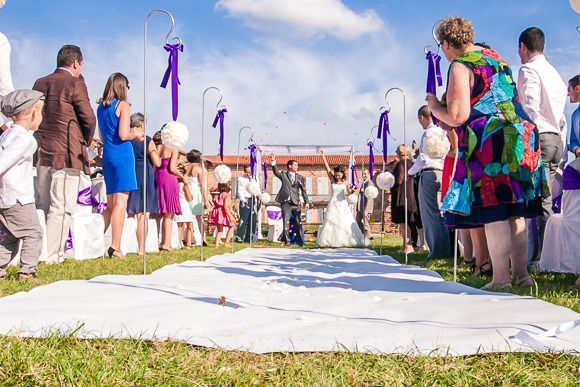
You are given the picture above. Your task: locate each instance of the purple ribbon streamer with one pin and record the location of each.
(265, 169)
(172, 69)
(219, 117)
(557, 204)
(371, 159)
(384, 129)
(69, 241)
(353, 176)
(434, 78)
(253, 160)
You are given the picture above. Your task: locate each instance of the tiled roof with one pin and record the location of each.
(302, 159)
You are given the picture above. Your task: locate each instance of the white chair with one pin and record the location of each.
(275, 224)
(560, 252)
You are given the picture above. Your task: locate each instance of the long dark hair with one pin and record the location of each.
(117, 87)
(340, 168)
(224, 187)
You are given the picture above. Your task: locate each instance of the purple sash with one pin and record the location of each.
(219, 117)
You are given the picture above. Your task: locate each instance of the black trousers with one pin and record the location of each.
(289, 209)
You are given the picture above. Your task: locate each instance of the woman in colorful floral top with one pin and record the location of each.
(499, 178)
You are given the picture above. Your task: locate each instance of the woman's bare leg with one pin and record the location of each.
(500, 246)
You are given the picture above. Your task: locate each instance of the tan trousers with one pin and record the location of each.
(57, 192)
(20, 223)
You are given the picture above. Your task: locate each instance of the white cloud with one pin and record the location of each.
(287, 93)
(304, 17)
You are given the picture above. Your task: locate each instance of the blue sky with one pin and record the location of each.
(296, 71)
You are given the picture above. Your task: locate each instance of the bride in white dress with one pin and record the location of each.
(339, 228)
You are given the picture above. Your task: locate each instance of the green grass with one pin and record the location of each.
(71, 361)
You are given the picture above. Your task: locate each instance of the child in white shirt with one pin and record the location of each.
(18, 218)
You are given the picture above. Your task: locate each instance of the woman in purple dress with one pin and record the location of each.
(167, 192)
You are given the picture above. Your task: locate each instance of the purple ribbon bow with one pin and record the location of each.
(253, 160)
(220, 117)
(86, 198)
(265, 169)
(172, 70)
(371, 159)
(434, 78)
(384, 129)
(571, 179)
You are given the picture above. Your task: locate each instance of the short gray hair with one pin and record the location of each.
(137, 119)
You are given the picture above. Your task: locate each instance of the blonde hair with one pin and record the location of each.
(404, 150)
(457, 31)
(38, 105)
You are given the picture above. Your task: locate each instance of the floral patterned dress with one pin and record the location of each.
(499, 170)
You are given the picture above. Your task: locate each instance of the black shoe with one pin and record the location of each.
(204, 243)
(111, 252)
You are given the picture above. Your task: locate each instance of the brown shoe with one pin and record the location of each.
(30, 278)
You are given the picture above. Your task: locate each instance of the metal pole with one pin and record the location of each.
(238, 173)
(145, 223)
(405, 162)
(204, 183)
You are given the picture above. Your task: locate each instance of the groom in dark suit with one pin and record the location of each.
(293, 186)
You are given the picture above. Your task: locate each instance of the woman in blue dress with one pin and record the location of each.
(114, 114)
(135, 205)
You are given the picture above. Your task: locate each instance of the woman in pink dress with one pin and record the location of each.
(222, 215)
(167, 192)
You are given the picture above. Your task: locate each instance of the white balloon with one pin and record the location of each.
(265, 197)
(385, 180)
(174, 134)
(435, 144)
(371, 192)
(253, 188)
(223, 173)
(353, 199)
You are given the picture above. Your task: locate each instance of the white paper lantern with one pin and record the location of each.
(371, 192)
(253, 188)
(223, 174)
(353, 199)
(385, 180)
(265, 197)
(174, 134)
(436, 144)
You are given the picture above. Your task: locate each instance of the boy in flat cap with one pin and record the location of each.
(18, 219)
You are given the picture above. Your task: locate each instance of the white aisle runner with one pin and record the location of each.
(295, 300)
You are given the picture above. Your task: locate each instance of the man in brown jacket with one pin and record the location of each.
(68, 126)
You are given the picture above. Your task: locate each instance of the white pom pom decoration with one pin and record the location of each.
(223, 174)
(253, 188)
(371, 192)
(265, 197)
(385, 180)
(353, 199)
(435, 145)
(174, 134)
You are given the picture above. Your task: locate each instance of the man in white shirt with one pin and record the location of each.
(247, 207)
(18, 219)
(430, 172)
(543, 95)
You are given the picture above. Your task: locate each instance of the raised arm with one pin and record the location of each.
(275, 168)
(328, 170)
